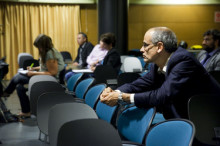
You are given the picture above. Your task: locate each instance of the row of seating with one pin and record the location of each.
(25, 60)
(211, 137)
(106, 74)
(57, 111)
(212, 128)
(130, 63)
(92, 131)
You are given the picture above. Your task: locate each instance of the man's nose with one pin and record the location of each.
(142, 49)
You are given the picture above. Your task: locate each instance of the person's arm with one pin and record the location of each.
(37, 68)
(93, 65)
(178, 81)
(87, 50)
(142, 84)
(217, 66)
(90, 59)
(76, 61)
(52, 66)
(113, 59)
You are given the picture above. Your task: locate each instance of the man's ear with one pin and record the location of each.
(160, 47)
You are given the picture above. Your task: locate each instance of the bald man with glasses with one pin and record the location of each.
(175, 76)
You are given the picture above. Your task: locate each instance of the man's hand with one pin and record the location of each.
(93, 65)
(92, 68)
(109, 97)
(105, 92)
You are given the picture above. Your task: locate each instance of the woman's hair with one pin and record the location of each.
(108, 38)
(167, 36)
(45, 43)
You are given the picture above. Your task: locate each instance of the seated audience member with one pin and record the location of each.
(85, 48)
(112, 58)
(96, 55)
(109, 53)
(174, 77)
(210, 56)
(51, 63)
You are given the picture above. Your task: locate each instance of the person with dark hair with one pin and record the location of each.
(51, 63)
(112, 58)
(85, 48)
(175, 76)
(102, 54)
(210, 56)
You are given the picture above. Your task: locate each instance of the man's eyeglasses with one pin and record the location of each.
(146, 46)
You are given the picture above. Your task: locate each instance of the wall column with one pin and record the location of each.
(112, 17)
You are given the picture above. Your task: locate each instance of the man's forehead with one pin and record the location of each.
(80, 35)
(147, 36)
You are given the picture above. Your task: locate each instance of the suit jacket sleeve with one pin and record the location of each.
(217, 67)
(88, 49)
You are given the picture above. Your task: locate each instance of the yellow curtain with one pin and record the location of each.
(20, 23)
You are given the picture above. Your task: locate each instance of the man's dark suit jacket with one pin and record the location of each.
(87, 49)
(113, 59)
(184, 78)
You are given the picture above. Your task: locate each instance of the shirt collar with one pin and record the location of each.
(83, 45)
(165, 66)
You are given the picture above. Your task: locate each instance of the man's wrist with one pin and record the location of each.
(125, 97)
(120, 96)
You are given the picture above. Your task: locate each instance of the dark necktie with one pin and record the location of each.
(206, 58)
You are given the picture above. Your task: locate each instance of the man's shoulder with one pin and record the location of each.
(89, 45)
(113, 51)
(217, 53)
(202, 52)
(182, 53)
(216, 56)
